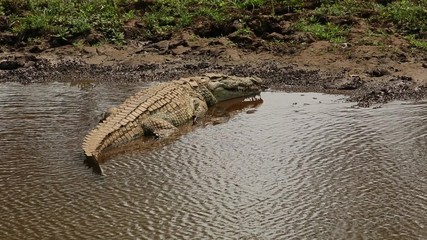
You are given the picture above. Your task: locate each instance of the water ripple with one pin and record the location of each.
(294, 169)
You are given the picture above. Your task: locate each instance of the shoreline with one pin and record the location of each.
(368, 75)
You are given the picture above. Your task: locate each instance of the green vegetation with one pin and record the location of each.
(244, 32)
(166, 15)
(421, 44)
(409, 16)
(347, 8)
(73, 21)
(66, 19)
(327, 31)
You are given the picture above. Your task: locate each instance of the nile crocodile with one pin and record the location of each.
(159, 110)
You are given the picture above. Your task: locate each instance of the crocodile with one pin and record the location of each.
(158, 111)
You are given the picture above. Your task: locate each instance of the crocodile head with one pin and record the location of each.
(228, 87)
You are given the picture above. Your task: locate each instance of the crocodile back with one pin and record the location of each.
(171, 99)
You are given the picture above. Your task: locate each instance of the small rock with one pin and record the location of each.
(244, 41)
(29, 64)
(406, 78)
(354, 82)
(250, 111)
(378, 72)
(274, 36)
(238, 24)
(35, 49)
(180, 50)
(10, 65)
(93, 38)
(345, 45)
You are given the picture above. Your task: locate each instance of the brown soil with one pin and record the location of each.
(369, 73)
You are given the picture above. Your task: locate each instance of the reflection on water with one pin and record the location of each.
(220, 113)
(300, 166)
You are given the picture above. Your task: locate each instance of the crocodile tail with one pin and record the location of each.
(92, 162)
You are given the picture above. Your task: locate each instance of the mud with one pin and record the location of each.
(367, 74)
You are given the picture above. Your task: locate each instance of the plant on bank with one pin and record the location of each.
(66, 19)
(71, 20)
(409, 16)
(327, 31)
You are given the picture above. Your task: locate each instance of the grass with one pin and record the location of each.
(409, 16)
(327, 31)
(165, 15)
(246, 31)
(346, 8)
(417, 43)
(74, 20)
(66, 19)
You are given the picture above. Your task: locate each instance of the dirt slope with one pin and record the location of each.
(369, 73)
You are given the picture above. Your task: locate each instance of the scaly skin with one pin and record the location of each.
(159, 110)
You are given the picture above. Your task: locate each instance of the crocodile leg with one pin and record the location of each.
(157, 127)
(110, 111)
(200, 109)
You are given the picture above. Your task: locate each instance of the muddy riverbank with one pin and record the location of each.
(368, 74)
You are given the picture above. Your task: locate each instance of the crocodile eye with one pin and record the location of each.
(193, 83)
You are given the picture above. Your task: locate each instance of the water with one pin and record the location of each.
(299, 166)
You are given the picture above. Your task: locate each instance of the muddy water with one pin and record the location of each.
(300, 166)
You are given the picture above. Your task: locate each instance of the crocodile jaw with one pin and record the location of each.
(229, 88)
